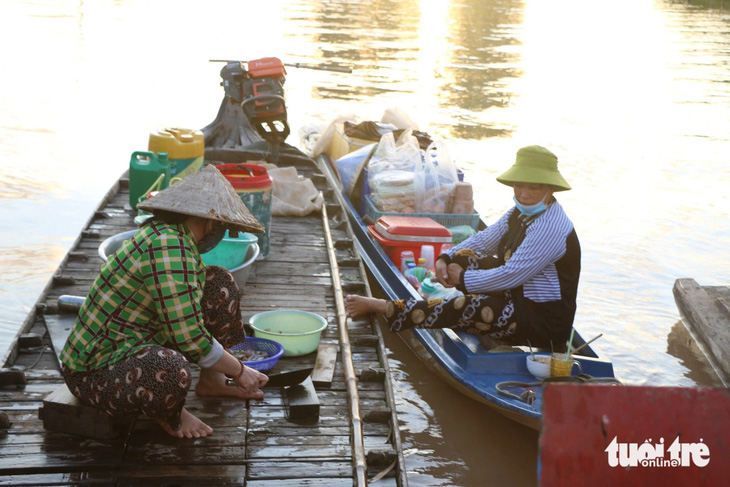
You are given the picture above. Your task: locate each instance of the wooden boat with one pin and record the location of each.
(705, 312)
(459, 358)
(349, 434)
(500, 380)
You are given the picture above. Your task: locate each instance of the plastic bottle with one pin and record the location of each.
(405, 256)
(417, 273)
(427, 288)
(432, 290)
(406, 264)
(411, 275)
(427, 253)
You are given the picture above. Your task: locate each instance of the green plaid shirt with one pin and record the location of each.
(147, 293)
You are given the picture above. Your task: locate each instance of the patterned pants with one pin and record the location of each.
(483, 314)
(155, 381)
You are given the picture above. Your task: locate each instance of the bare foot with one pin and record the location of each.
(213, 383)
(190, 427)
(360, 305)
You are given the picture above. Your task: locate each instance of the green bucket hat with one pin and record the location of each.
(535, 164)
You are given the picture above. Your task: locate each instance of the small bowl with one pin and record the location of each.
(273, 350)
(297, 331)
(540, 367)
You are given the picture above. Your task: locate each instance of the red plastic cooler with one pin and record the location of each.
(398, 233)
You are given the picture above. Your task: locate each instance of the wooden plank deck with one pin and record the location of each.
(705, 312)
(254, 443)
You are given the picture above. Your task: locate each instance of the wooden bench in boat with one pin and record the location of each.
(63, 412)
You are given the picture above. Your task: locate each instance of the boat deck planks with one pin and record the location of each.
(253, 443)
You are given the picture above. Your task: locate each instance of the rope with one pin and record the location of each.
(529, 396)
(40, 355)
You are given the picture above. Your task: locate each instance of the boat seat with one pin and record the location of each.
(62, 412)
(483, 343)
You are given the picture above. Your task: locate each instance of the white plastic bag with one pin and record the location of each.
(347, 164)
(434, 180)
(391, 170)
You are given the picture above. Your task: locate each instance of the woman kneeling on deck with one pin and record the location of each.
(155, 306)
(519, 276)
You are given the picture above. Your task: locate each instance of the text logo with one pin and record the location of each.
(650, 454)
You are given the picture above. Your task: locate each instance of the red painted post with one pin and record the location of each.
(634, 436)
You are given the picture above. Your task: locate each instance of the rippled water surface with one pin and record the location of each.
(632, 95)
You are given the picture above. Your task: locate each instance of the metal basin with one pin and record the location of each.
(110, 245)
(240, 273)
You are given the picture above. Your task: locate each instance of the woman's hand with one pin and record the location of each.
(448, 275)
(442, 275)
(251, 380)
(454, 272)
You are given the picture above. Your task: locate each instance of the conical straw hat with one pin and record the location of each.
(205, 194)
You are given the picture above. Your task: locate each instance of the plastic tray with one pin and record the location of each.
(445, 219)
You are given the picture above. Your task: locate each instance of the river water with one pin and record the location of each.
(632, 95)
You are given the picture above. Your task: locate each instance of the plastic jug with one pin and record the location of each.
(185, 148)
(147, 171)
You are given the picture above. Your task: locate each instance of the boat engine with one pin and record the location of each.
(260, 92)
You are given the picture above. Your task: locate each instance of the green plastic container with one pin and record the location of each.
(297, 331)
(253, 184)
(230, 252)
(147, 170)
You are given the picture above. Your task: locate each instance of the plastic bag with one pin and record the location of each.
(435, 179)
(347, 164)
(391, 170)
(460, 233)
(324, 140)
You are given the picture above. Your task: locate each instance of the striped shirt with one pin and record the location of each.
(147, 293)
(533, 263)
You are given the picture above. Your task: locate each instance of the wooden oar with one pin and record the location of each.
(587, 343)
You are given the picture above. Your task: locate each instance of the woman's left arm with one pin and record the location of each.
(544, 244)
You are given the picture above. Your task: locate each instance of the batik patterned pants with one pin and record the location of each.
(484, 314)
(155, 381)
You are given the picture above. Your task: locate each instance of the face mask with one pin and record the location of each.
(209, 242)
(531, 209)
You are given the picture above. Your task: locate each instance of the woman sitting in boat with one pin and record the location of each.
(155, 306)
(519, 276)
